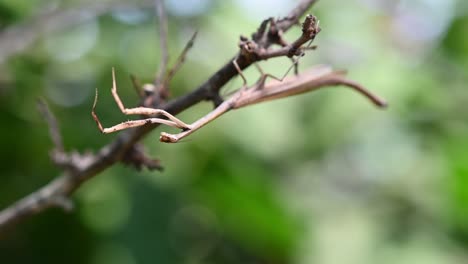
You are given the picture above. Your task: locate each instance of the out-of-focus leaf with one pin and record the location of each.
(249, 210)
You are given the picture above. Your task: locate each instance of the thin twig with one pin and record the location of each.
(53, 125)
(180, 60)
(162, 21)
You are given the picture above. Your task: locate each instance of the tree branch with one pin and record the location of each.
(84, 167)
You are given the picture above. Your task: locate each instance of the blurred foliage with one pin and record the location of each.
(323, 178)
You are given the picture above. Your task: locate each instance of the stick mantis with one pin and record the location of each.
(313, 79)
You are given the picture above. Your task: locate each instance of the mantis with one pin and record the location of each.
(313, 79)
(310, 80)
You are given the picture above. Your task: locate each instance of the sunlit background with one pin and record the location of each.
(320, 178)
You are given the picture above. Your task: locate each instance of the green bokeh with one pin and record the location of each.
(320, 178)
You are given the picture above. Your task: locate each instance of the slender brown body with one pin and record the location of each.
(315, 78)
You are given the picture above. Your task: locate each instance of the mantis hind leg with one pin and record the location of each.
(264, 76)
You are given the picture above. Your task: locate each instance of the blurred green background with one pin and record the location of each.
(320, 178)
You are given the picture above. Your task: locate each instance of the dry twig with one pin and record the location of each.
(53, 125)
(180, 60)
